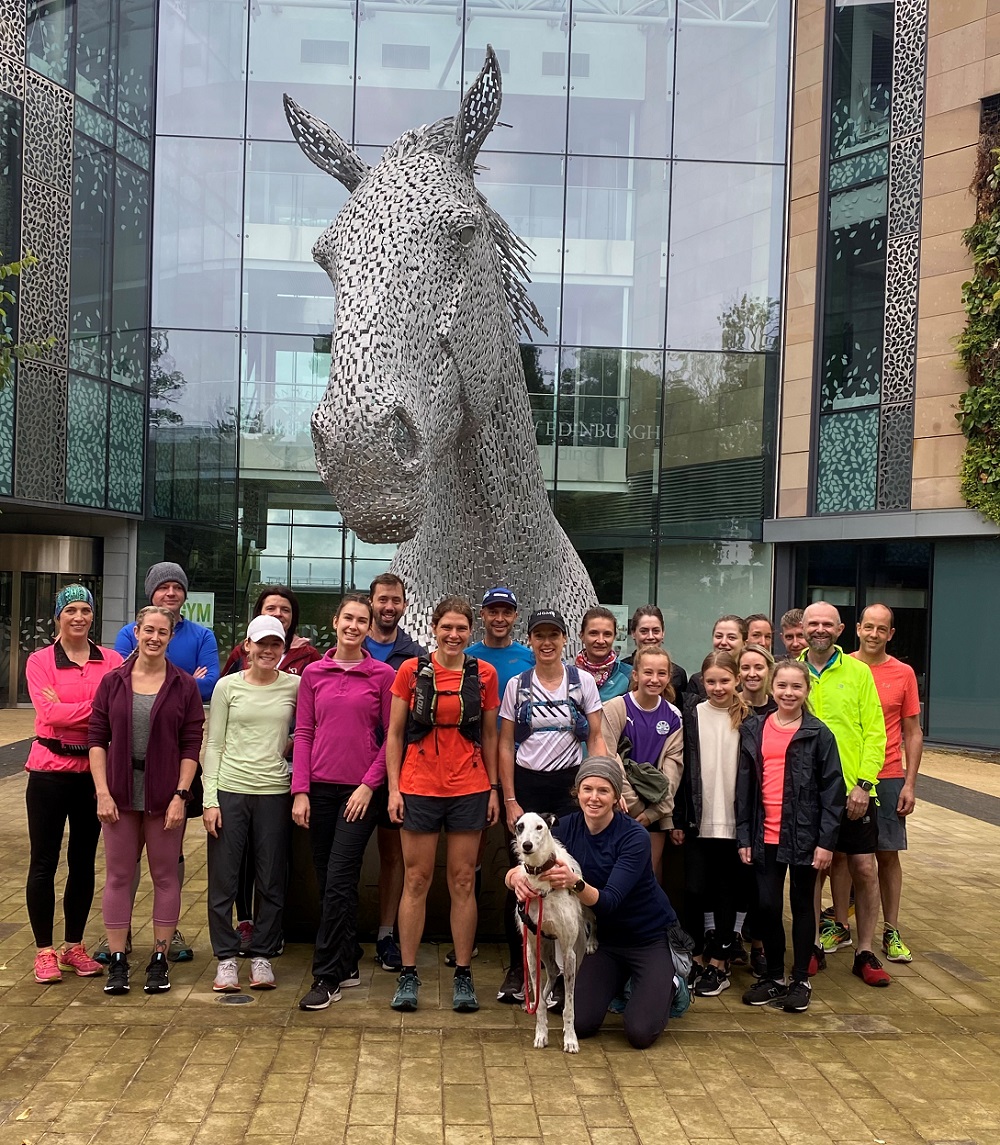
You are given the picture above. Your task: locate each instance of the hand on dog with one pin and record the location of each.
(521, 885)
(560, 877)
(514, 813)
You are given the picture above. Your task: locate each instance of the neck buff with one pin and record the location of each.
(601, 671)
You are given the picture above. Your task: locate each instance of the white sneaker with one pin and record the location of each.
(227, 977)
(261, 975)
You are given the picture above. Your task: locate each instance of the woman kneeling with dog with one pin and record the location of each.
(633, 913)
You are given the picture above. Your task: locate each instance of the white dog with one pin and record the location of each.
(564, 920)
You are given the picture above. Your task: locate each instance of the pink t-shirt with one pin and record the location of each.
(896, 683)
(774, 744)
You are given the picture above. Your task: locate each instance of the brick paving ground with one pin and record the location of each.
(918, 1062)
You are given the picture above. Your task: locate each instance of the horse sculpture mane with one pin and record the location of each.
(424, 436)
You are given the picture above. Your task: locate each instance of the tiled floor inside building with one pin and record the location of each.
(918, 1062)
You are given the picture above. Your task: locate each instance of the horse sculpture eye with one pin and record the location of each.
(466, 235)
(402, 438)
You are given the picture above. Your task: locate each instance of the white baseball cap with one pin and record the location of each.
(262, 626)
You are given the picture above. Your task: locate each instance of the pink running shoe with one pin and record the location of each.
(46, 967)
(77, 959)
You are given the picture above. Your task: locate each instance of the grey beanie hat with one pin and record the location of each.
(601, 767)
(160, 573)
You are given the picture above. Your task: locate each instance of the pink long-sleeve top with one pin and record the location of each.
(67, 719)
(341, 720)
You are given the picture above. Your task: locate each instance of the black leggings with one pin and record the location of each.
(771, 891)
(603, 974)
(53, 798)
(716, 882)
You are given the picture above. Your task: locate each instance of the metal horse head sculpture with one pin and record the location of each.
(424, 435)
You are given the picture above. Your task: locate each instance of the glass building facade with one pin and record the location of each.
(644, 163)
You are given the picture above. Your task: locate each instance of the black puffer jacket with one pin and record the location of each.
(813, 800)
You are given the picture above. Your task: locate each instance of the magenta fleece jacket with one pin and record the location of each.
(341, 720)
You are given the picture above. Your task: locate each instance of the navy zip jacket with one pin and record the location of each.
(812, 802)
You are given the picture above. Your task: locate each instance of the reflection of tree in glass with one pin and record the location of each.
(751, 324)
(166, 382)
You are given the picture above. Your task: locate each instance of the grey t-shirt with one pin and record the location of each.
(142, 707)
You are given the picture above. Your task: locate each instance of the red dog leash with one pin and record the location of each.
(531, 1007)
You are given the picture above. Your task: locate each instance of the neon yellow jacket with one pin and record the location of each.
(845, 698)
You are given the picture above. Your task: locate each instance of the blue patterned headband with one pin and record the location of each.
(72, 594)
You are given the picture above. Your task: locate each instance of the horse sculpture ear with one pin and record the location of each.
(479, 111)
(324, 147)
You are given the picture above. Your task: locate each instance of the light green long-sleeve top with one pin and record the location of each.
(845, 698)
(248, 728)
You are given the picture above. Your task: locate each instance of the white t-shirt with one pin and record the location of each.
(547, 750)
(719, 748)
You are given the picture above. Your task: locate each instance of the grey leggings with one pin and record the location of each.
(602, 976)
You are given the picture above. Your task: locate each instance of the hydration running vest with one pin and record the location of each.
(423, 714)
(574, 701)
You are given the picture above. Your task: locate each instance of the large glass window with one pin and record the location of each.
(198, 233)
(289, 203)
(616, 251)
(307, 50)
(90, 263)
(725, 249)
(531, 45)
(732, 85)
(201, 68)
(193, 433)
(621, 79)
(962, 702)
(50, 39)
(409, 68)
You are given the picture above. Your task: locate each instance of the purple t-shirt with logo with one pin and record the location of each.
(647, 731)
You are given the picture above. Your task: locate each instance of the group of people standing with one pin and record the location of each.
(758, 770)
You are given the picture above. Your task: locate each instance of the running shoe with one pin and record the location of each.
(682, 998)
(245, 931)
(827, 915)
(227, 977)
(511, 993)
(464, 1000)
(798, 997)
(405, 997)
(765, 991)
(758, 962)
(321, 994)
(157, 975)
(817, 961)
(893, 947)
(353, 978)
(77, 959)
(179, 950)
(47, 967)
(261, 974)
(711, 983)
(451, 961)
(734, 952)
(117, 982)
(869, 969)
(102, 952)
(387, 954)
(835, 937)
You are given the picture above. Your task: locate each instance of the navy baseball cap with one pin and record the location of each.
(500, 595)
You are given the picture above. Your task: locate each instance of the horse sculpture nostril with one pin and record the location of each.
(402, 437)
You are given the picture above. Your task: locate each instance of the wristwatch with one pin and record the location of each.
(865, 785)
(577, 887)
(184, 794)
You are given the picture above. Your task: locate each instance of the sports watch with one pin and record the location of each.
(184, 794)
(577, 887)
(865, 784)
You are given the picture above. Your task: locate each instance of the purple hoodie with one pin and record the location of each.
(341, 720)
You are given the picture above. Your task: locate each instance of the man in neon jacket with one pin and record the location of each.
(844, 697)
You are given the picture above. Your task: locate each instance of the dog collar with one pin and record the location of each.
(549, 863)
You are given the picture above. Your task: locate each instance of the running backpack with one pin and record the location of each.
(524, 705)
(423, 714)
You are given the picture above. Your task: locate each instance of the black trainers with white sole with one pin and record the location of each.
(157, 975)
(321, 994)
(117, 981)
